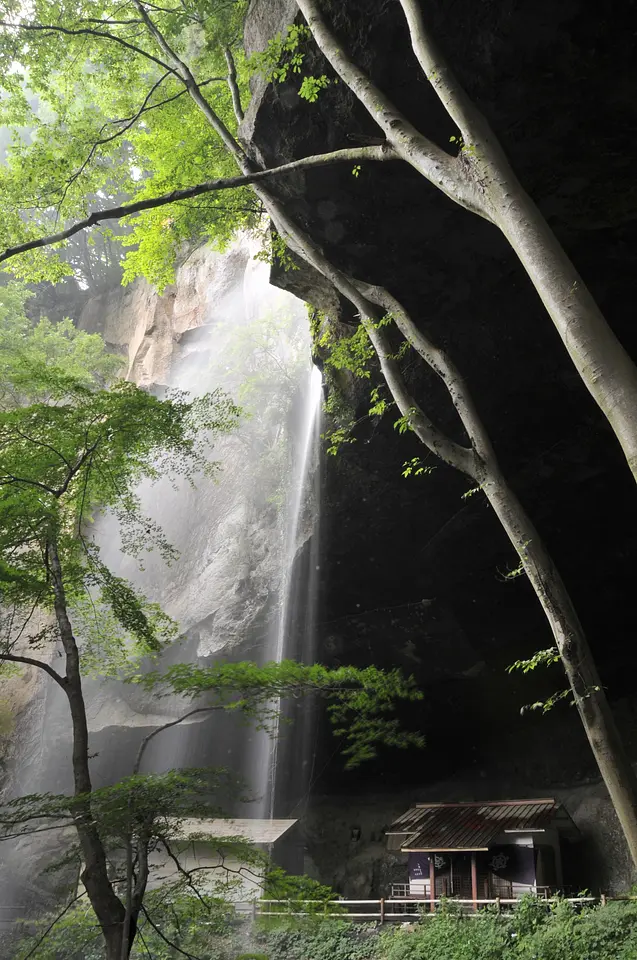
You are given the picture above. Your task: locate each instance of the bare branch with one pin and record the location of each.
(42, 443)
(182, 871)
(86, 455)
(52, 924)
(10, 478)
(437, 166)
(155, 6)
(184, 953)
(32, 662)
(128, 123)
(355, 154)
(232, 83)
(86, 31)
(167, 726)
(25, 623)
(112, 23)
(443, 366)
(462, 458)
(56, 492)
(175, 96)
(144, 944)
(185, 74)
(458, 105)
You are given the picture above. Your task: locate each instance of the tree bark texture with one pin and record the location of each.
(108, 908)
(493, 193)
(481, 180)
(575, 654)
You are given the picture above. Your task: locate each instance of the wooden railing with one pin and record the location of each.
(400, 909)
(9, 915)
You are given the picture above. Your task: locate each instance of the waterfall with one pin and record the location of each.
(245, 583)
(234, 589)
(295, 635)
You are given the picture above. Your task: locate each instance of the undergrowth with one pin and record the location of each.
(534, 932)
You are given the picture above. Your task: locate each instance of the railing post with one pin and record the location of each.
(497, 904)
(382, 910)
(604, 899)
(474, 880)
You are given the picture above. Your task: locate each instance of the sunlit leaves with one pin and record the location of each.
(58, 461)
(416, 468)
(352, 353)
(42, 360)
(106, 119)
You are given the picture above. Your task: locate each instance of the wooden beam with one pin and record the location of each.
(488, 803)
(442, 849)
(474, 880)
(432, 884)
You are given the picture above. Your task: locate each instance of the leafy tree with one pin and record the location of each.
(108, 137)
(72, 448)
(177, 922)
(183, 51)
(556, 931)
(27, 349)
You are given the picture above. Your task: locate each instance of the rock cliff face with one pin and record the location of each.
(190, 337)
(413, 574)
(220, 326)
(147, 328)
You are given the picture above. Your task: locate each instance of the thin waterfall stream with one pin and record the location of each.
(295, 638)
(247, 573)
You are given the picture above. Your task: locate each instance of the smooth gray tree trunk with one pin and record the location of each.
(480, 179)
(478, 459)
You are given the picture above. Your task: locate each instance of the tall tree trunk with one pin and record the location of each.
(478, 460)
(482, 181)
(481, 465)
(590, 698)
(600, 359)
(108, 908)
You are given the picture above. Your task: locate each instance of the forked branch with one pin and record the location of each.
(437, 166)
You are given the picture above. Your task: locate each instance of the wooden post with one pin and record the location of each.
(382, 910)
(604, 899)
(497, 904)
(474, 880)
(432, 882)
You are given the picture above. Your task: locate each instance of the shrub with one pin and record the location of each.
(596, 933)
(535, 931)
(449, 936)
(321, 940)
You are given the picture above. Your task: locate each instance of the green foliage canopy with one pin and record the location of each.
(360, 702)
(28, 351)
(69, 448)
(109, 118)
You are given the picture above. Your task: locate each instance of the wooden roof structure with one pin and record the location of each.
(449, 827)
(253, 830)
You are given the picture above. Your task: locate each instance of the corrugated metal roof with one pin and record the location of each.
(256, 831)
(442, 827)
